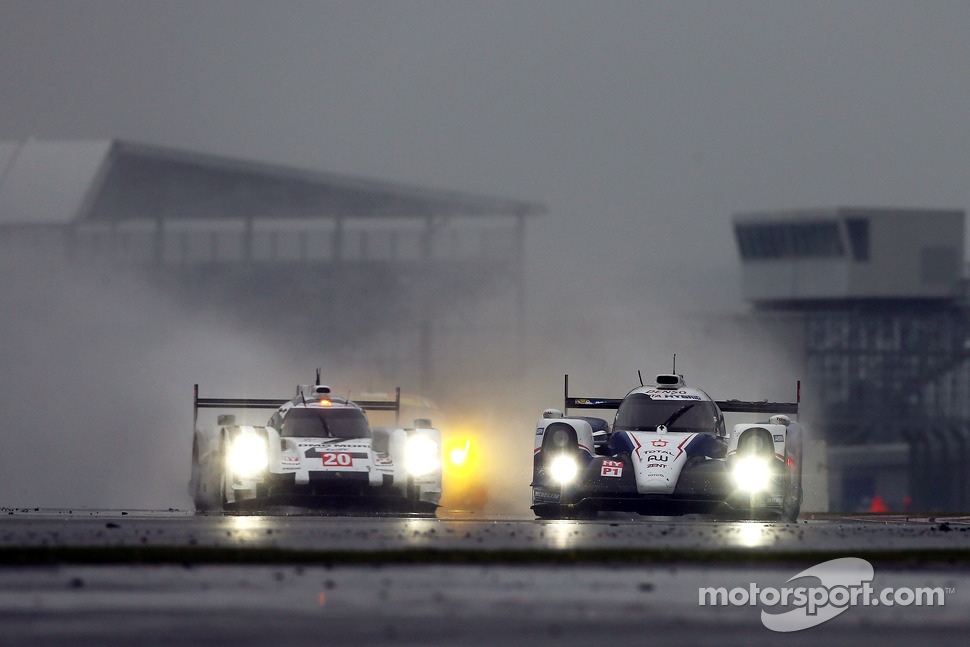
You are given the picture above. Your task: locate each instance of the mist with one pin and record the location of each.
(641, 126)
(99, 367)
(96, 387)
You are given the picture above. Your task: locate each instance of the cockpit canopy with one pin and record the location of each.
(322, 422)
(640, 412)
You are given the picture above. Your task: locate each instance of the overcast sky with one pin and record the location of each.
(641, 125)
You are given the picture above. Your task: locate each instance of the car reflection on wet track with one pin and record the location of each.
(303, 578)
(296, 529)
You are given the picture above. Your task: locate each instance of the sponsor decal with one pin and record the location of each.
(544, 496)
(660, 465)
(314, 452)
(337, 459)
(779, 438)
(657, 394)
(611, 468)
(540, 431)
(637, 447)
(844, 582)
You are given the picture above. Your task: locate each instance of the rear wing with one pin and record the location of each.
(269, 403)
(726, 406)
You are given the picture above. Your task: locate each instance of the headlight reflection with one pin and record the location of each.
(754, 534)
(561, 534)
(244, 528)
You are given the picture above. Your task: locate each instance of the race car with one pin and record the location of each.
(667, 452)
(316, 449)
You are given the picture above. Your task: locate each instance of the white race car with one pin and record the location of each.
(667, 453)
(315, 449)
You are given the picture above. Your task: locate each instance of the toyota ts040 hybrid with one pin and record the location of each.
(315, 449)
(668, 452)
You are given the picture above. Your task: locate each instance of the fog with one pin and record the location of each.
(98, 373)
(641, 126)
(96, 389)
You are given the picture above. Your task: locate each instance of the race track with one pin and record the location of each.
(89, 577)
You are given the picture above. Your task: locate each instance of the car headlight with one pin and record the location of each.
(563, 468)
(560, 437)
(421, 456)
(752, 474)
(248, 455)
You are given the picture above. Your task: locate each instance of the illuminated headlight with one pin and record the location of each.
(247, 455)
(421, 456)
(563, 468)
(752, 474)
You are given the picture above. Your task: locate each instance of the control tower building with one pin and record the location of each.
(879, 297)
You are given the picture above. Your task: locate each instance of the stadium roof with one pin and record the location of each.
(59, 182)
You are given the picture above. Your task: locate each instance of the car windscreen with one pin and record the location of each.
(639, 412)
(325, 423)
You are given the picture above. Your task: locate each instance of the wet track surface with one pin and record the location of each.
(174, 577)
(295, 529)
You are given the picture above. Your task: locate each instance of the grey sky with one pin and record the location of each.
(642, 125)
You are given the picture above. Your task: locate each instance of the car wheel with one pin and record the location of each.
(196, 481)
(224, 485)
(205, 488)
(790, 507)
(414, 502)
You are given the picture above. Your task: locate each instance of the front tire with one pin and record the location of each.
(195, 484)
(415, 503)
(791, 505)
(208, 490)
(224, 484)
